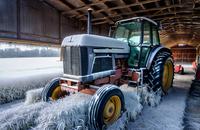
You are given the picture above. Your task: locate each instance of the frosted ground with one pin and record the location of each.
(19, 75)
(168, 115)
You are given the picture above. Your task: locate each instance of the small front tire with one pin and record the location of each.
(52, 91)
(105, 106)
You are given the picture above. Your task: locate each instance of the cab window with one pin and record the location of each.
(129, 32)
(156, 40)
(147, 34)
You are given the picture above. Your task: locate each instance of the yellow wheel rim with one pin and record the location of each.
(167, 75)
(112, 110)
(57, 93)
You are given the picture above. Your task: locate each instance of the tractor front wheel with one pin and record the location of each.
(105, 106)
(162, 72)
(52, 91)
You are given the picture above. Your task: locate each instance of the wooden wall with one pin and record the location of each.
(8, 19)
(184, 54)
(34, 20)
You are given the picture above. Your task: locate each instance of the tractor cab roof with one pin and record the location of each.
(137, 18)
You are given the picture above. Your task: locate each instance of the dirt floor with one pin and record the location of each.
(169, 114)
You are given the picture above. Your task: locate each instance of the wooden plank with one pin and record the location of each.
(58, 5)
(8, 19)
(122, 7)
(121, 2)
(130, 5)
(141, 5)
(18, 4)
(140, 11)
(85, 7)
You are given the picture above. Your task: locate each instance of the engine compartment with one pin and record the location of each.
(88, 57)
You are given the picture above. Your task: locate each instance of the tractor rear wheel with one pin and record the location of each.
(52, 91)
(162, 72)
(105, 106)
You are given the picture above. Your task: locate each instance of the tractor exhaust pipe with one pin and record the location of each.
(89, 21)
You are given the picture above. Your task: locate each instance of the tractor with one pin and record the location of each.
(98, 65)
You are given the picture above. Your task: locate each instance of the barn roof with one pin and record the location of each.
(180, 19)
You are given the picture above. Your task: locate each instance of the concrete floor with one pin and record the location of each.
(170, 113)
(192, 111)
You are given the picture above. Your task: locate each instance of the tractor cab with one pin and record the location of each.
(141, 34)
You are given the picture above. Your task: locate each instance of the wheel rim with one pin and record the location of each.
(112, 110)
(57, 93)
(167, 75)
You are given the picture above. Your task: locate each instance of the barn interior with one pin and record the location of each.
(43, 24)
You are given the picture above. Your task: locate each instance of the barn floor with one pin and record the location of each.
(167, 115)
(192, 110)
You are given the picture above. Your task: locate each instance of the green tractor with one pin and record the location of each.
(97, 65)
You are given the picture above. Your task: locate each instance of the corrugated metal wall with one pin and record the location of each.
(36, 21)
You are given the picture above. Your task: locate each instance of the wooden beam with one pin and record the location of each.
(68, 4)
(163, 19)
(103, 22)
(187, 12)
(123, 3)
(167, 4)
(124, 6)
(180, 1)
(141, 11)
(83, 7)
(141, 5)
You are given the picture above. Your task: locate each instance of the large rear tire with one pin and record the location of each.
(105, 106)
(161, 73)
(52, 91)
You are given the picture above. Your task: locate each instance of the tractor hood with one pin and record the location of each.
(95, 41)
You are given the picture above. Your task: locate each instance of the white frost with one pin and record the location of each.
(18, 75)
(33, 96)
(149, 97)
(68, 113)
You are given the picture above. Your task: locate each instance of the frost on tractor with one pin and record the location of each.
(88, 95)
(96, 65)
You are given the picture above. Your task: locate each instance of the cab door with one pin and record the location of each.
(146, 44)
(140, 42)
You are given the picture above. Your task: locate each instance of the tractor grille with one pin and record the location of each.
(102, 64)
(75, 60)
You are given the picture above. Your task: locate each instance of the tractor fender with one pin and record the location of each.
(154, 52)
